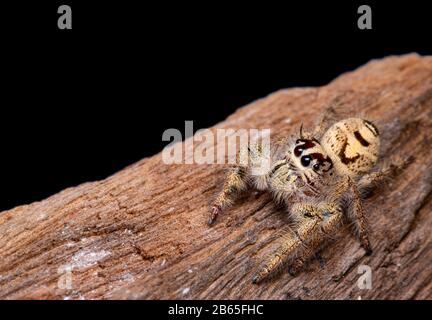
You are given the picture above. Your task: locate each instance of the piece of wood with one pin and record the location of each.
(142, 232)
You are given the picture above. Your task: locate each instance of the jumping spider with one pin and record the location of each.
(319, 177)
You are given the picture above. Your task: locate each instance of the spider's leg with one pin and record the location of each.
(373, 179)
(366, 182)
(235, 182)
(332, 220)
(329, 115)
(238, 179)
(292, 242)
(359, 216)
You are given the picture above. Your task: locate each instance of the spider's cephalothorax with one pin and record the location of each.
(318, 177)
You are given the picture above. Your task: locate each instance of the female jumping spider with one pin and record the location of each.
(318, 176)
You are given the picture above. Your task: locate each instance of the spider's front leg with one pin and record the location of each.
(238, 179)
(235, 182)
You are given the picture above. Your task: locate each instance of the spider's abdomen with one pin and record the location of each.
(353, 146)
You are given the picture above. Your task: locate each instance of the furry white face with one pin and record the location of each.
(309, 156)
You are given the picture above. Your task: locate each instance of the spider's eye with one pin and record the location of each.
(298, 151)
(306, 160)
(316, 166)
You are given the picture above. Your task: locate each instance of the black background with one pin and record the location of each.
(78, 105)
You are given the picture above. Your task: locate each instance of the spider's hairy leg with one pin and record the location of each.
(235, 182)
(239, 178)
(292, 242)
(359, 216)
(373, 179)
(365, 184)
(332, 220)
(347, 184)
(328, 116)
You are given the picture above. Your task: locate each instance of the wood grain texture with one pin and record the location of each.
(142, 232)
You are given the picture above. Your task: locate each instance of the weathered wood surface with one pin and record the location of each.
(141, 233)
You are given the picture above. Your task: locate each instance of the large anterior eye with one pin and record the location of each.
(298, 151)
(305, 144)
(306, 160)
